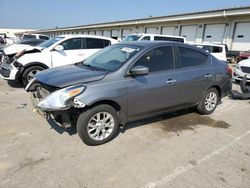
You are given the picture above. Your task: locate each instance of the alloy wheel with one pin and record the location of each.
(100, 126)
(211, 101)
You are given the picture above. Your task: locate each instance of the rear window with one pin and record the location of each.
(94, 43)
(190, 58)
(174, 39)
(43, 37)
(29, 36)
(212, 49)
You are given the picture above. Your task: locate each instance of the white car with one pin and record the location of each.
(58, 51)
(34, 36)
(8, 52)
(241, 69)
(152, 37)
(217, 50)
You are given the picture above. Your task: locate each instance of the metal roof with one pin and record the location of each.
(226, 12)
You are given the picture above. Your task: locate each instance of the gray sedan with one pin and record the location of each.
(130, 81)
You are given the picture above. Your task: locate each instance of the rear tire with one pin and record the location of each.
(209, 102)
(98, 125)
(29, 73)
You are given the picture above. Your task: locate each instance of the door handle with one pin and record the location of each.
(208, 75)
(170, 81)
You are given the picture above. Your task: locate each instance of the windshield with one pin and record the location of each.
(112, 57)
(50, 42)
(132, 37)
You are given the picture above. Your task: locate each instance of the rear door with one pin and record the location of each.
(196, 74)
(159, 89)
(93, 45)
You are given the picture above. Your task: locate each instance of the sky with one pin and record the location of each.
(45, 14)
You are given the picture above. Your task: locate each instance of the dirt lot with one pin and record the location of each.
(181, 149)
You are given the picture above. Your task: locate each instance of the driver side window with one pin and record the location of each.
(158, 59)
(72, 44)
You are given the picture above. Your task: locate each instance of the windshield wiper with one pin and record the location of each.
(90, 66)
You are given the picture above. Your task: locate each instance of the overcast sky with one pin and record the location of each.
(60, 13)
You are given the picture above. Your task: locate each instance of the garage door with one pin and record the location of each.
(92, 32)
(151, 30)
(114, 33)
(189, 31)
(99, 33)
(167, 30)
(241, 39)
(106, 33)
(125, 32)
(214, 33)
(137, 30)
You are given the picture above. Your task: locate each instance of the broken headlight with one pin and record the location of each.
(61, 99)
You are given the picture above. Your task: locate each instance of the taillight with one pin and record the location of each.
(229, 70)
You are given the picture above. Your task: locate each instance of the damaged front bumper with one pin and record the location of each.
(8, 71)
(58, 104)
(61, 118)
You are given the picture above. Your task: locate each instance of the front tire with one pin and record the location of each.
(29, 73)
(98, 125)
(209, 102)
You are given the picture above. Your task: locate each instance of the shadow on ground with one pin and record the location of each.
(178, 121)
(172, 122)
(15, 84)
(56, 126)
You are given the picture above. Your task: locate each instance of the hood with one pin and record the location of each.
(69, 75)
(245, 63)
(15, 48)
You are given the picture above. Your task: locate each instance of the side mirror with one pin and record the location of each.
(139, 70)
(59, 48)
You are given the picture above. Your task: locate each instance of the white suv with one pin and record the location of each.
(58, 51)
(152, 37)
(217, 50)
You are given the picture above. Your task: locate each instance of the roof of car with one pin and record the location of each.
(160, 35)
(209, 44)
(149, 44)
(92, 36)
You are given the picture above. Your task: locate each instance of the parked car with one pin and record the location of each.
(241, 69)
(232, 55)
(153, 37)
(244, 55)
(59, 51)
(8, 53)
(34, 36)
(217, 50)
(129, 81)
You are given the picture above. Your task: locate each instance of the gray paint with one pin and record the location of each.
(146, 95)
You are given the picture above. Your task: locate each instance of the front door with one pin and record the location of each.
(73, 52)
(156, 91)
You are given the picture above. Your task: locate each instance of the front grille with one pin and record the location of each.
(5, 66)
(245, 69)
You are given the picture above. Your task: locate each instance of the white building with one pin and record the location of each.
(12, 32)
(228, 26)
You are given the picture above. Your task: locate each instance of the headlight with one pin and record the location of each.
(237, 66)
(61, 99)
